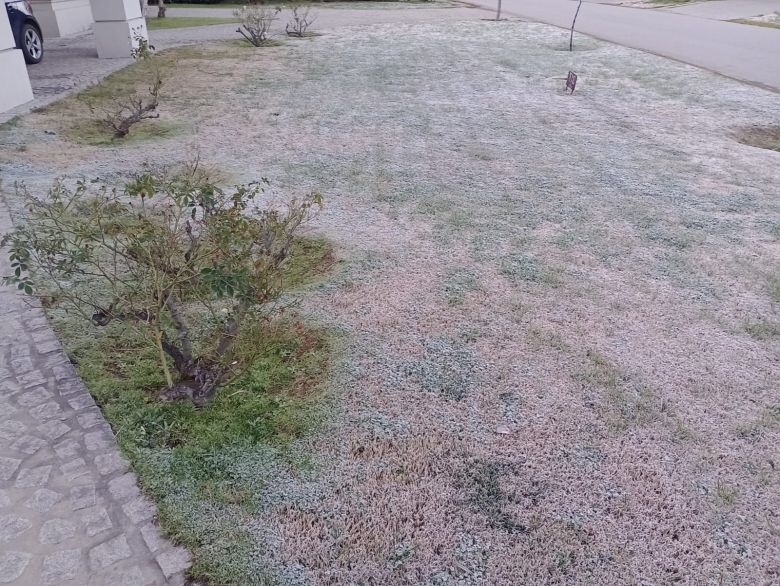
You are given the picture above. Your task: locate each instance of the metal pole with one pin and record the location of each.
(571, 36)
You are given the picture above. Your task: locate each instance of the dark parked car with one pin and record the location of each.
(27, 31)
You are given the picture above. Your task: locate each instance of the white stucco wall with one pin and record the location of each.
(118, 24)
(15, 87)
(59, 18)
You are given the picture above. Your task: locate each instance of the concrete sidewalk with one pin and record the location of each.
(744, 52)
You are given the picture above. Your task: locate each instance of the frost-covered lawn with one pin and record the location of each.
(561, 314)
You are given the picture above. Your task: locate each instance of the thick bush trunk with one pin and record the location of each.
(197, 382)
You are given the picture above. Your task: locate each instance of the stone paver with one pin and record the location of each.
(70, 512)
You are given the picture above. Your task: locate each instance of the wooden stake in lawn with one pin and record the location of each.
(571, 36)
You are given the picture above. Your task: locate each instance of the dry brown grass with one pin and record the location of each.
(558, 309)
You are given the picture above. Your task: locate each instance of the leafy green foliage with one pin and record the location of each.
(173, 255)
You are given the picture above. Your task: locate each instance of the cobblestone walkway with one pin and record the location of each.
(70, 511)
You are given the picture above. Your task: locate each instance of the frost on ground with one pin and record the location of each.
(562, 311)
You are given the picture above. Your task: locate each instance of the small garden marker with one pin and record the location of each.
(571, 81)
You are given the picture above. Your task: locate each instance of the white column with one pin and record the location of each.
(118, 25)
(15, 87)
(59, 18)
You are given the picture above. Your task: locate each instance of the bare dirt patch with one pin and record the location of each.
(763, 137)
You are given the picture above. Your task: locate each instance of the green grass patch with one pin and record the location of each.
(185, 22)
(762, 329)
(627, 403)
(769, 419)
(267, 43)
(95, 133)
(459, 283)
(312, 259)
(10, 123)
(209, 468)
(762, 137)
(482, 485)
(764, 23)
(773, 287)
(672, 2)
(78, 118)
(519, 268)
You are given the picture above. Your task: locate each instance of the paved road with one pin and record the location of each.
(744, 52)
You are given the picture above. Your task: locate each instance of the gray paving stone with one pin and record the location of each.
(7, 467)
(31, 379)
(67, 448)
(6, 409)
(132, 576)
(48, 347)
(49, 410)
(95, 520)
(75, 469)
(53, 430)
(61, 566)
(30, 477)
(12, 565)
(34, 323)
(56, 531)
(63, 372)
(91, 418)
(20, 350)
(174, 560)
(68, 388)
(5, 500)
(11, 526)
(109, 552)
(12, 429)
(82, 497)
(43, 335)
(22, 364)
(79, 402)
(98, 440)
(42, 500)
(28, 444)
(110, 463)
(124, 488)
(139, 509)
(151, 534)
(33, 397)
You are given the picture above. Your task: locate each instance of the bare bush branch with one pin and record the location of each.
(302, 19)
(255, 23)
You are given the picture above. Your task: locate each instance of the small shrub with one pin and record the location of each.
(171, 255)
(126, 111)
(302, 19)
(255, 23)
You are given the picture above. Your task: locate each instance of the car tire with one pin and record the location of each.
(32, 44)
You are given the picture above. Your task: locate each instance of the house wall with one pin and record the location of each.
(118, 26)
(15, 87)
(59, 18)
